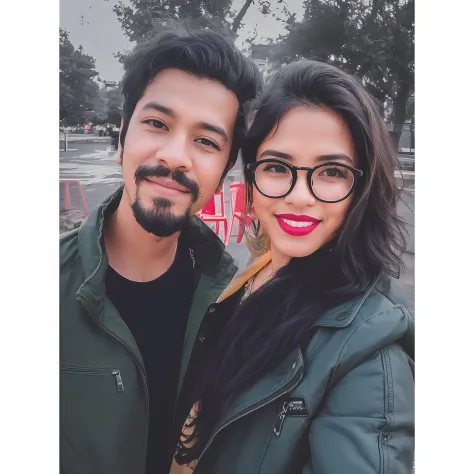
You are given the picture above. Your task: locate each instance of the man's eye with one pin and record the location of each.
(156, 123)
(207, 142)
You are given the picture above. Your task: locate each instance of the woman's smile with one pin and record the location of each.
(297, 225)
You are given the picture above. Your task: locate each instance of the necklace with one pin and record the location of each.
(250, 283)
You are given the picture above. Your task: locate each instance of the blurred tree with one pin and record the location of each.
(114, 106)
(373, 39)
(100, 107)
(139, 18)
(108, 106)
(79, 93)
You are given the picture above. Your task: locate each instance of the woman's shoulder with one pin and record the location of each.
(385, 296)
(367, 324)
(382, 314)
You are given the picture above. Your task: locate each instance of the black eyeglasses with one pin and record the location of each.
(328, 182)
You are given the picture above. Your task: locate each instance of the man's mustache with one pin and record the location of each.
(160, 171)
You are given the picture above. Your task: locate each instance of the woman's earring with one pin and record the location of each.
(258, 244)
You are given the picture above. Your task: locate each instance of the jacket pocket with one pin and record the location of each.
(100, 371)
(98, 432)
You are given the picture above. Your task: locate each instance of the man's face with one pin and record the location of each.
(176, 148)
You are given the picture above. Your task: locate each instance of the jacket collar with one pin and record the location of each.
(342, 315)
(208, 250)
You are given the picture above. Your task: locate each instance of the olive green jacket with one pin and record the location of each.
(104, 396)
(342, 403)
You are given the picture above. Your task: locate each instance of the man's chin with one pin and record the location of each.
(161, 222)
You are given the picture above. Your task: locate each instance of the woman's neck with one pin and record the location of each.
(279, 260)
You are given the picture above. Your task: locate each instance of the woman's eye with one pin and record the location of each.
(333, 173)
(156, 124)
(206, 142)
(276, 168)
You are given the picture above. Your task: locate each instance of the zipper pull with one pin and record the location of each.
(280, 419)
(118, 379)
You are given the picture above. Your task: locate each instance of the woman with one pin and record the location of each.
(306, 363)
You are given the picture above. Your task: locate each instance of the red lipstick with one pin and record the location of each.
(297, 225)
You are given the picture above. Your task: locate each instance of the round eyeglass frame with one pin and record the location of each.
(252, 167)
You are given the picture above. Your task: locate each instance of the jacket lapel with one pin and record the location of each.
(268, 388)
(91, 293)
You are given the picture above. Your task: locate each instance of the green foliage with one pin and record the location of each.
(108, 108)
(373, 39)
(79, 93)
(114, 106)
(141, 18)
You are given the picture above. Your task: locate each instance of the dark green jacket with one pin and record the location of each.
(341, 403)
(104, 398)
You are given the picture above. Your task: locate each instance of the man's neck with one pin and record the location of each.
(134, 253)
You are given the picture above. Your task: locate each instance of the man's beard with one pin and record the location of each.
(160, 220)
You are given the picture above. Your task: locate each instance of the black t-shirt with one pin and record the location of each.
(156, 313)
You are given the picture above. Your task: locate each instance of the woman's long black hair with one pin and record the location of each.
(269, 324)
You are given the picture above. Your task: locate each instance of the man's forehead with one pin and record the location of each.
(178, 92)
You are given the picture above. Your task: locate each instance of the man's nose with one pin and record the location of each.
(175, 153)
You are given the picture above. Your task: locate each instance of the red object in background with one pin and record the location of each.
(67, 196)
(237, 207)
(208, 213)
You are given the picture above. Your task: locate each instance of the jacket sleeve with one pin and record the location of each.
(366, 425)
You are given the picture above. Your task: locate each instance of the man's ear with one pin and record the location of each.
(119, 152)
(228, 167)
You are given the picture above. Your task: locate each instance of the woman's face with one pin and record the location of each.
(299, 224)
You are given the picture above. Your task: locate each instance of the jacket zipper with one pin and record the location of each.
(256, 406)
(384, 443)
(95, 371)
(118, 380)
(280, 419)
(117, 375)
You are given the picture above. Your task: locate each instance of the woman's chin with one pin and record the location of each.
(294, 250)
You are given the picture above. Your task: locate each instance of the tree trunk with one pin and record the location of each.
(400, 107)
(240, 16)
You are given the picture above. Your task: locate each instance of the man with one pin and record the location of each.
(138, 276)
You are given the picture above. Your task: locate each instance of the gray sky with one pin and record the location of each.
(94, 25)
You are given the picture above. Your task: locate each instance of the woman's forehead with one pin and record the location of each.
(306, 131)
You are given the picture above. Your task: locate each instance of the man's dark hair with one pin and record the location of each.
(203, 53)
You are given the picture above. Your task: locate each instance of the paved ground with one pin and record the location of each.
(100, 175)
